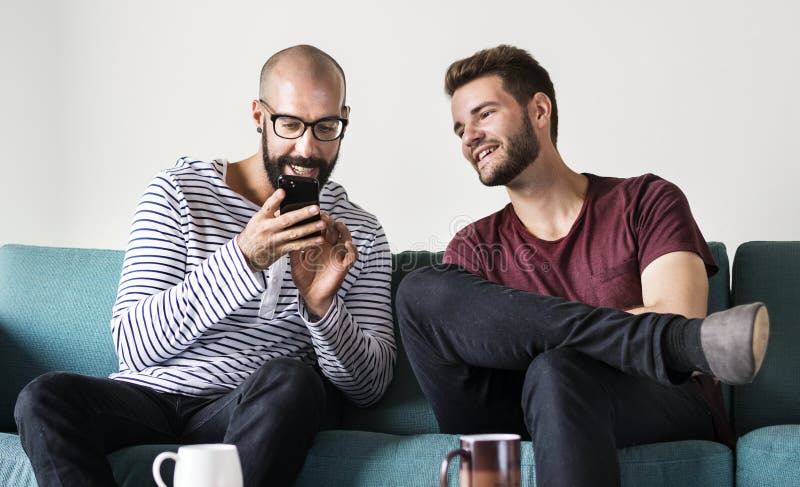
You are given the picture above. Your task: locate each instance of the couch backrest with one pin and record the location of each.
(770, 272)
(719, 285)
(55, 308)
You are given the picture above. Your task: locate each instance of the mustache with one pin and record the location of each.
(307, 162)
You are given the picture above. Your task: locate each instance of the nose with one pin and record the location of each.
(306, 144)
(472, 135)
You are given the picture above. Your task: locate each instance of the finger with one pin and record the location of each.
(273, 203)
(331, 232)
(326, 218)
(343, 233)
(290, 218)
(350, 256)
(298, 232)
(300, 244)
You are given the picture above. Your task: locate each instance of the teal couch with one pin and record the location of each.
(55, 305)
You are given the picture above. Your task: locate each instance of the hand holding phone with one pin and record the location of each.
(266, 237)
(300, 192)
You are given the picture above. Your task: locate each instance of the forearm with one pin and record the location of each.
(669, 308)
(358, 360)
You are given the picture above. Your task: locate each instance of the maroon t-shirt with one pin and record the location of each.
(623, 226)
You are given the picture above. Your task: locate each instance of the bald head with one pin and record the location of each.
(302, 63)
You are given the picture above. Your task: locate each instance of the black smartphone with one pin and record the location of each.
(300, 192)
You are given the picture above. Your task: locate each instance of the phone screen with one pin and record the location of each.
(300, 192)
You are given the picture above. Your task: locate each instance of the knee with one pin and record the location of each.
(290, 382)
(42, 397)
(423, 293)
(558, 379)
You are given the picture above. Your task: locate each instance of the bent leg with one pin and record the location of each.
(272, 418)
(463, 318)
(579, 411)
(68, 423)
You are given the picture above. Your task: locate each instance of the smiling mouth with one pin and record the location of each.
(301, 170)
(485, 152)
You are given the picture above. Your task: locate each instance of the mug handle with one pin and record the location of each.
(167, 455)
(446, 463)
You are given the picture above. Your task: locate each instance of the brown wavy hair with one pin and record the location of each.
(522, 76)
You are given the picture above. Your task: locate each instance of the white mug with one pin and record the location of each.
(213, 465)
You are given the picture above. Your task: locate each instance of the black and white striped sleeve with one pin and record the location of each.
(354, 341)
(161, 309)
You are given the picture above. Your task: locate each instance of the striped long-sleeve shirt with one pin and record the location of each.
(187, 321)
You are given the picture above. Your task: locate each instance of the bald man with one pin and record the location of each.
(232, 323)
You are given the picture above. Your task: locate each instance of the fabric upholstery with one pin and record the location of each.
(770, 272)
(55, 307)
(15, 468)
(55, 310)
(357, 458)
(769, 457)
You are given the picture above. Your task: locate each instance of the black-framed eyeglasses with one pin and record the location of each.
(290, 127)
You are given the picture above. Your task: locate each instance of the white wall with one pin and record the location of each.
(96, 96)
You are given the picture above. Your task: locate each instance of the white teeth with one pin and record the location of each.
(485, 153)
(300, 170)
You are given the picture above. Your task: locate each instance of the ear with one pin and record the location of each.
(539, 109)
(256, 112)
(345, 114)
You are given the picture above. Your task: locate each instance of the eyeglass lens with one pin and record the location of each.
(292, 128)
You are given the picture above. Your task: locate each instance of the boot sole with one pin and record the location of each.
(760, 337)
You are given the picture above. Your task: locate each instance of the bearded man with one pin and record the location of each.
(575, 315)
(231, 321)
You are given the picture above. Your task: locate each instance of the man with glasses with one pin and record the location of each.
(232, 323)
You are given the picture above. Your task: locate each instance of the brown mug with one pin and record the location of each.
(486, 461)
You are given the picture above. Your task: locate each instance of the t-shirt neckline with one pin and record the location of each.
(520, 227)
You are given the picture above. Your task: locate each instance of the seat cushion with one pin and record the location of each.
(769, 456)
(131, 465)
(358, 458)
(15, 468)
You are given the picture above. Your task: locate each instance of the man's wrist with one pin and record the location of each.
(316, 311)
(250, 264)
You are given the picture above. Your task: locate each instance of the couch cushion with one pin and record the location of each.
(770, 272)
(55, 309)
(131, 465)
(357, 458)
(15, 468)
(769, 456)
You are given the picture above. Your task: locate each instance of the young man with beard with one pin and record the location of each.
(574, 315)
(229, 320)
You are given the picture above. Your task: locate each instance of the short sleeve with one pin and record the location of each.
(463, 252)
(664, 224)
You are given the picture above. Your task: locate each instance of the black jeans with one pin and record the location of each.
(68, 423)
(580, 381)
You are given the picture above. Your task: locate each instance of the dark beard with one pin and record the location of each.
(274, 167)
(522, 150)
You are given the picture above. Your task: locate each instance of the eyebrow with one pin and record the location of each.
(475, 110)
